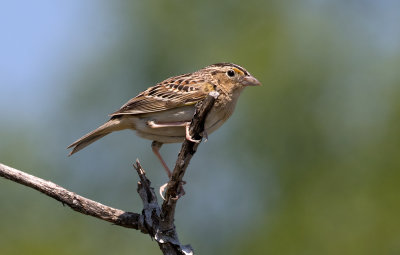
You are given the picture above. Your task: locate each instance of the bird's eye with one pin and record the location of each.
(230, 73)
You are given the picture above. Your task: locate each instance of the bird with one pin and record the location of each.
(162, 113)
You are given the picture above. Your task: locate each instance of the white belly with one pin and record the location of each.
(178, 115)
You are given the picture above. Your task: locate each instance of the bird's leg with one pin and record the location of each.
(156, 149)
(153, 124)
(155, 146)
(185, 124)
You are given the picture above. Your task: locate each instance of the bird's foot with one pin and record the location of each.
(162, 190)
(180, 191)
(188, 136)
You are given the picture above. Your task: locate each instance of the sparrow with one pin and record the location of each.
(163, 113)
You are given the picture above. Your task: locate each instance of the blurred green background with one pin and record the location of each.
(308, 164)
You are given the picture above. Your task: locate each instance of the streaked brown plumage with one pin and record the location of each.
(162, 112)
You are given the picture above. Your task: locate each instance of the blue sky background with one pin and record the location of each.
(37, 41)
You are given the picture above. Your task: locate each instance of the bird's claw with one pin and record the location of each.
(189, 137)
(180, 191)
(162, 190)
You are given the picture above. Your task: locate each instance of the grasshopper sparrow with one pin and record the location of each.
(162, 113)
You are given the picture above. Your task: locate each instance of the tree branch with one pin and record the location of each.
(156, 221)
(76, 202)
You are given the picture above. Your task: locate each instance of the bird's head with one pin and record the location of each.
(231, 76)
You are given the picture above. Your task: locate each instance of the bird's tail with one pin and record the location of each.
(112, 125)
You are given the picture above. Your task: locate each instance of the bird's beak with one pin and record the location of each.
(250, 81)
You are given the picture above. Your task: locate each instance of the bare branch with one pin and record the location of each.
(76, 202)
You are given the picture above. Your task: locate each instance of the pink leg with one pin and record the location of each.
(154, 124)
(185, 124)
(155, 146)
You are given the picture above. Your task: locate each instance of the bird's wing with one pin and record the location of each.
(172, 93)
